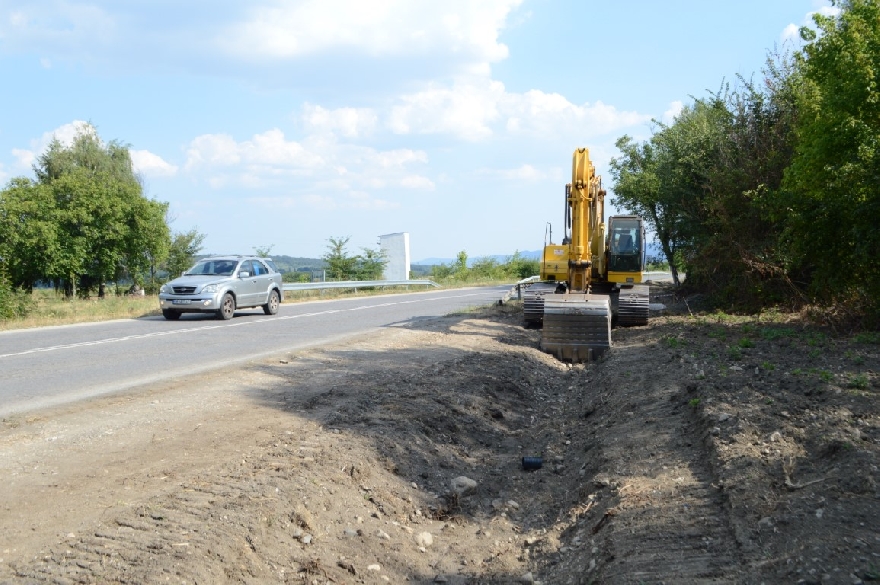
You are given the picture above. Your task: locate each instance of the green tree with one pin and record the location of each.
(28, 232)
(182, 252)
(709, 183)
(106, 228)
(263, 251)
(460, 267)
(833, 179)
(370, 264)
(519, 267)
(340, 265)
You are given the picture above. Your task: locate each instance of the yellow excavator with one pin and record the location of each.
(593, 278)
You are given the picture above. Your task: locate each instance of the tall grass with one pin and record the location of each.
(46, 307)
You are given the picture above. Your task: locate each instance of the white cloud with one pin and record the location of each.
(674, 110)
(58, 26)
(285, 30)
(341, 201)
(25, 157)
(349, 122)
(792, 34)
(476, 109)
(464, 110)
(317, 165)
(417, 182)
(147, 163)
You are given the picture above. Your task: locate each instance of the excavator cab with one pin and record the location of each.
(626, 249)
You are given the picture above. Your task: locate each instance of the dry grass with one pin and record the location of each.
(53, 309)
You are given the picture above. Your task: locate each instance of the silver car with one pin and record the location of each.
(222, 284)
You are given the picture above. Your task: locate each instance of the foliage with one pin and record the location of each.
(264, 251)
(83, 222)
(182, 252)
(487, 269)
(371, 264)
(342, 266)
(766, 194)
(14, 303)
(833, 179)
(702, 184)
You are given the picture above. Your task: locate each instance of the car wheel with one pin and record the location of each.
(227, 307)
(171, 315)
(271, 307)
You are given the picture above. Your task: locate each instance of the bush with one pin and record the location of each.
(14, 303)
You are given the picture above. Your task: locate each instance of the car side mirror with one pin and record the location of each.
(244, 274)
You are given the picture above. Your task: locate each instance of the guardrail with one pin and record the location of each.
(356, 284)
(518, 288)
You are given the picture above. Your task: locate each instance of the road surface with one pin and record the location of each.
(57, 365)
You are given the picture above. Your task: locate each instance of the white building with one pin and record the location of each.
(396, 248)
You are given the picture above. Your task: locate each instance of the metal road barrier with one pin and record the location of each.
(356, 284)
(518, 288)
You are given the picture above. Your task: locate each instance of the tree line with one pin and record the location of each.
(84, 221)
(766, 193)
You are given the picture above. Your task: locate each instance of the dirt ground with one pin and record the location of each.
(701, 449)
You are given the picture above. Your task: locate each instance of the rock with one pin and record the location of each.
(513, 504)
(527, 578)
(306, 539)
(383, 535)
(349, 532)
(776, 436)
(715, 431)
(765, 522)
(374, 568)
(463, 485)
(347, 566)
(724, 416)
(424, 539)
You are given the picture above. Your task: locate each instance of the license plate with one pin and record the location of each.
(181, 302)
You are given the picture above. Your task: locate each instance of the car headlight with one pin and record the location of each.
(211, 288)
(165, 289)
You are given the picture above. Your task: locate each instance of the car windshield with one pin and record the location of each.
(214, 267)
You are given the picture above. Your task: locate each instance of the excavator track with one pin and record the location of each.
(533, 301)
(633, 306)
(577, 327)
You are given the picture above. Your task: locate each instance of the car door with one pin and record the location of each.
(247, 285)
(264, 281)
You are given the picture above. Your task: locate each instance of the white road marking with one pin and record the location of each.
(231, 324)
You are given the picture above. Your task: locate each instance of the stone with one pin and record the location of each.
(463, 485)
(424, 539)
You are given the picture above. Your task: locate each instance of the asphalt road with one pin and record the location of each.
(57, 365)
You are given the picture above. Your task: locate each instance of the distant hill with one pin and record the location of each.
(654, 251)
(296, 264)
(500, 258)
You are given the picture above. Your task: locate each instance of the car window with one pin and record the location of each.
(270, 264)
(246, 267)
(260, 268)
(224, 267)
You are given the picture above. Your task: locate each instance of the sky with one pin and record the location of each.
(282, 123)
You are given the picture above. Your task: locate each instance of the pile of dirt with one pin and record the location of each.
(700, 449)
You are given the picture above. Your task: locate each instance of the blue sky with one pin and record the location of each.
(284, 123)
